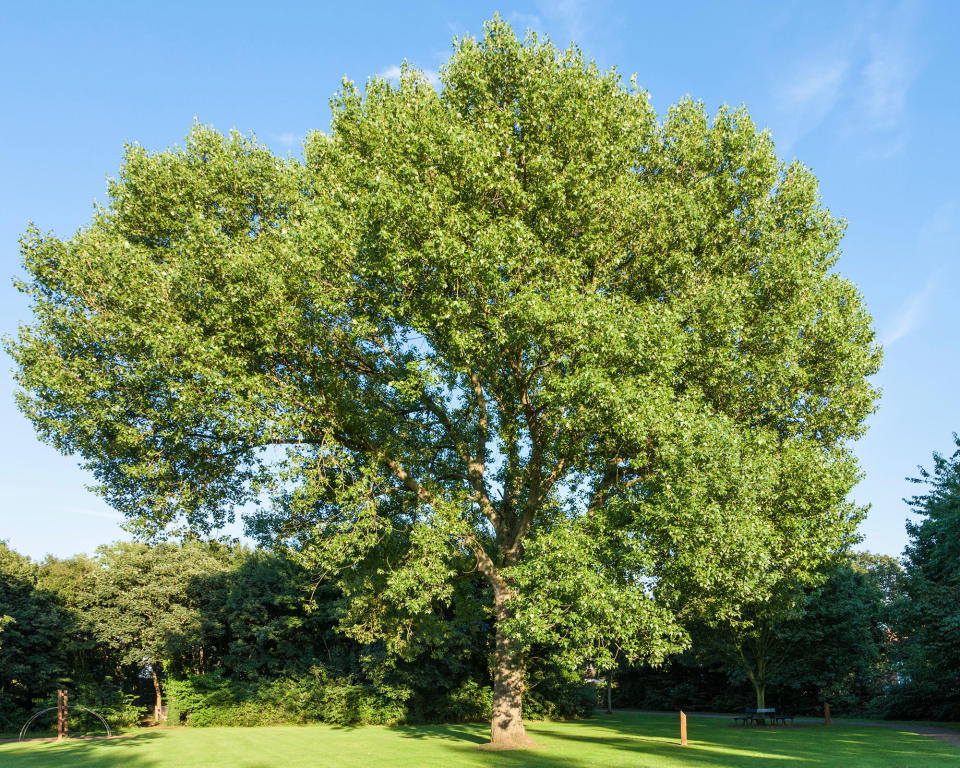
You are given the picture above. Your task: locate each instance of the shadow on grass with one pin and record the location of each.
(614, 741)
(120, 751)
(460, 732)
(654, 741)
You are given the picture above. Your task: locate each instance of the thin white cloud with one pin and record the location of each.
(391, 73)
(819, 87)
(106, 514)
(394, 72)
(861, 82)
(940, 233)
(809, 95)
(910, 314)
(893, 64)
(937, 250)
(570, 14)
(887, 77)
(286, 139)
(521, 22)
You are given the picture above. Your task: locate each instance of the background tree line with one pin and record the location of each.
(878, 636)
(225, 634)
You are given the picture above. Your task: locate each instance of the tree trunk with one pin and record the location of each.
(506, 724)
(761, 690)
(158, 704)
(610, 692)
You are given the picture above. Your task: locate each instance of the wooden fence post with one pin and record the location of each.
(826, 713)
(683, 729)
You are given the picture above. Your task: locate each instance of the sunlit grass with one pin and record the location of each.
(614, 741)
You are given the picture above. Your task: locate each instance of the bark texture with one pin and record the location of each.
(761, 691)
(158, 703)
(506, 725)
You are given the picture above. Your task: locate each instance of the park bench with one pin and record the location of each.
(758, 716)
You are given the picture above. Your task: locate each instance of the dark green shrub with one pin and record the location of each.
(212, 700)
(557, 693)
(470, 702)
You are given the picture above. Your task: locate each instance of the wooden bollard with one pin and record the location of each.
(61, 714)
(826, 713)
(683, 729)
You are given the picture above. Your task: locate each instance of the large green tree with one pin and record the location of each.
(927, 616)
(139, 602)
(508, 326)
(827, 640)
(32, 632)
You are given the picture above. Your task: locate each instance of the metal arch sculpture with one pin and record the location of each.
(35, 715)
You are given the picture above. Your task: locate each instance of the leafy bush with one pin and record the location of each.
(212, 700)
(347, 704)
(470, 702)
(119, 709)
(556, 692)
(914, 700)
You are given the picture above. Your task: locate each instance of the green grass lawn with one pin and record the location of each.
(606, 741)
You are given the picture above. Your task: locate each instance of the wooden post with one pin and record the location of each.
(59, 715)
(826, 713)
(683, 729)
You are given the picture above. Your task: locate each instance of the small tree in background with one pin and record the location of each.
(509, 327)
(828, 639)
(138, 602)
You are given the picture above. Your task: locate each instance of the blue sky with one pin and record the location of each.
(863, 93)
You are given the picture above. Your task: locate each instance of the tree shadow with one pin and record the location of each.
(658, 743)
(607, 742)
(459, 732)
(87, 753)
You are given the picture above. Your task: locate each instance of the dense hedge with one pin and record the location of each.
(315, 697)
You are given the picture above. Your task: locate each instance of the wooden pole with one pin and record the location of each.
(59, 715)
(826, 713)
(683, 729)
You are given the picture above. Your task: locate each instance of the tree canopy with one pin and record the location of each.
(509, 326)
(30, 635)
(828, 640)
(927, 619)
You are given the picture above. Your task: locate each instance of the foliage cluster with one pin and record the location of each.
(831, 642)
(316, 697)
(235, 637)
(927, 618)
(876, 636)
(248, 647)
(46, 643)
